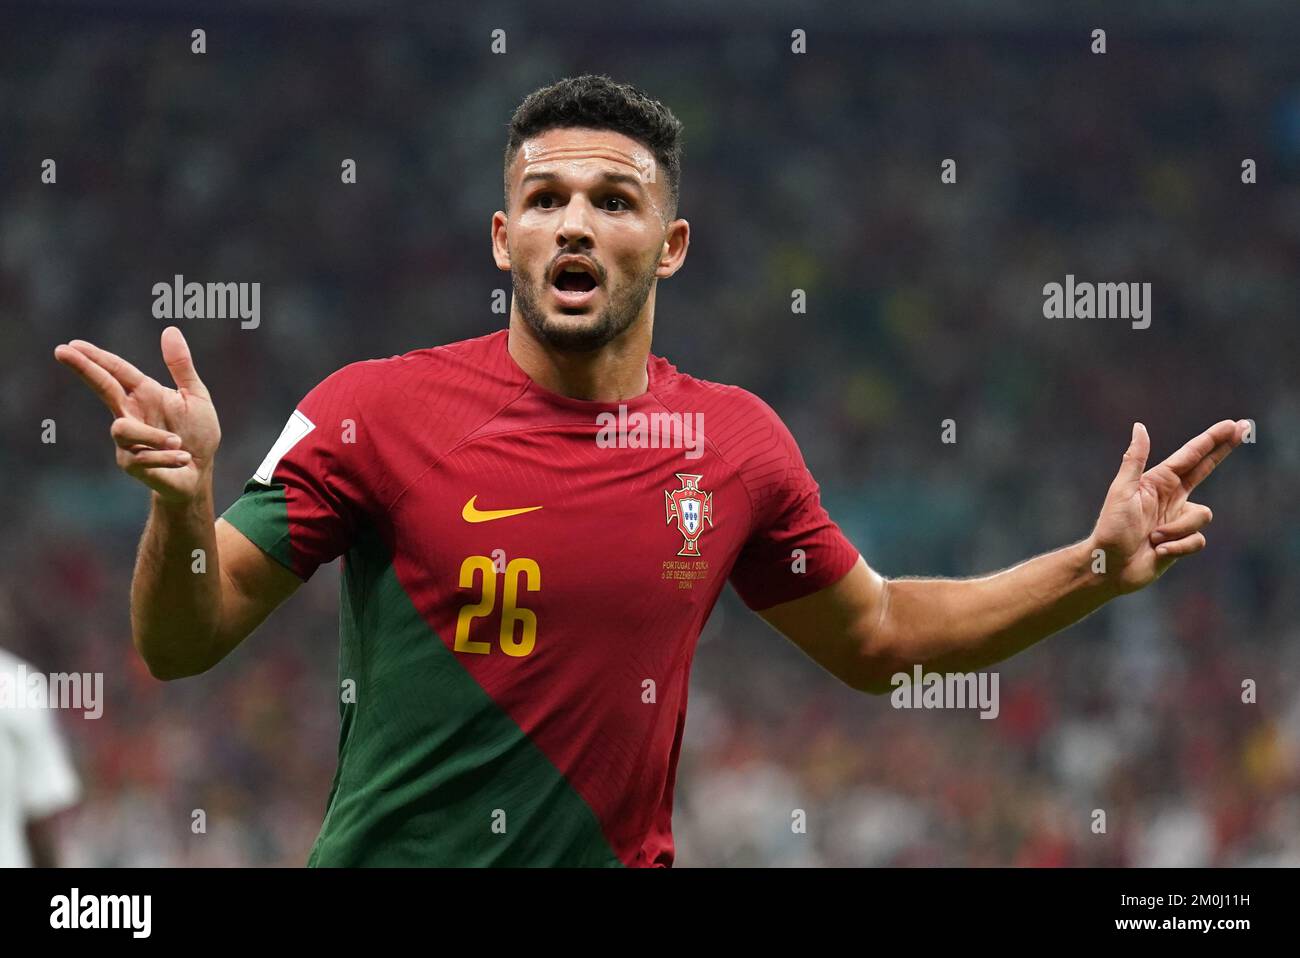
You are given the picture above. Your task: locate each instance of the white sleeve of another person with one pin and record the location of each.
(41, 781)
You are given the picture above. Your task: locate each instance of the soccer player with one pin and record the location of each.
(527, 563)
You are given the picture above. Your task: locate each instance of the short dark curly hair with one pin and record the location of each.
(597, 102)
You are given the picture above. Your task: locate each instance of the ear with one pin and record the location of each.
(500, 240)
(673, 253)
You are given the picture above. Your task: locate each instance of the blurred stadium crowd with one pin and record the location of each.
(818, 173)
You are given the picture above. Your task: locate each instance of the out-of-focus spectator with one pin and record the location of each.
(37, 780)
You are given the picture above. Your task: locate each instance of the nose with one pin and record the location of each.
(575, 226)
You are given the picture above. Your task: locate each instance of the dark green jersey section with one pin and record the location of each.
(431, 770)
(262, 514)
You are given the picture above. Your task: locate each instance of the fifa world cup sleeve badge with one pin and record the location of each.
(691, 507)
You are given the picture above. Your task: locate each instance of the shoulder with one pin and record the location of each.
(738, 423)
(463, 376)
(470, 359)
(387, 419)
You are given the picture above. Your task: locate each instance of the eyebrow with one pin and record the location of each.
(608, 176)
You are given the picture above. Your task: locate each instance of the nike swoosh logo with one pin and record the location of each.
(471, 514)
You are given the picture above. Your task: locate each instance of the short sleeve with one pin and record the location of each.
(794, 548)
(302, 505)
(47, 782)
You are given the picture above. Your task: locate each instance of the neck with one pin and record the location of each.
(613, 373)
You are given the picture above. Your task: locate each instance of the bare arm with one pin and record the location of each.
(865, 628)
(185, 622)
(200, 586)
(963, 625)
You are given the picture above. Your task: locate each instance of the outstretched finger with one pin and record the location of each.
(117, 367)
(1135, 459)
(176, 354)
(1195, 450)
(95, 376)
(1207, 465)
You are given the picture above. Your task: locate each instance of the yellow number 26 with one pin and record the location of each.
(510, 611)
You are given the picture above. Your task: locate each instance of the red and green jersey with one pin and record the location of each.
(524, 580)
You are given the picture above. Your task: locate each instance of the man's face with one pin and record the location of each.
(586, 236)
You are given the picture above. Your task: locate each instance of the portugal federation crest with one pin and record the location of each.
(691, 508)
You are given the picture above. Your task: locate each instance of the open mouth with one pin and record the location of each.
(573, 284)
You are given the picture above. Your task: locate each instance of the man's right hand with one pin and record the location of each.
(183, 620)
(167, 438)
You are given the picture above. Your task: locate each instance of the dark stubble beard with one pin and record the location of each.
(621, 310)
